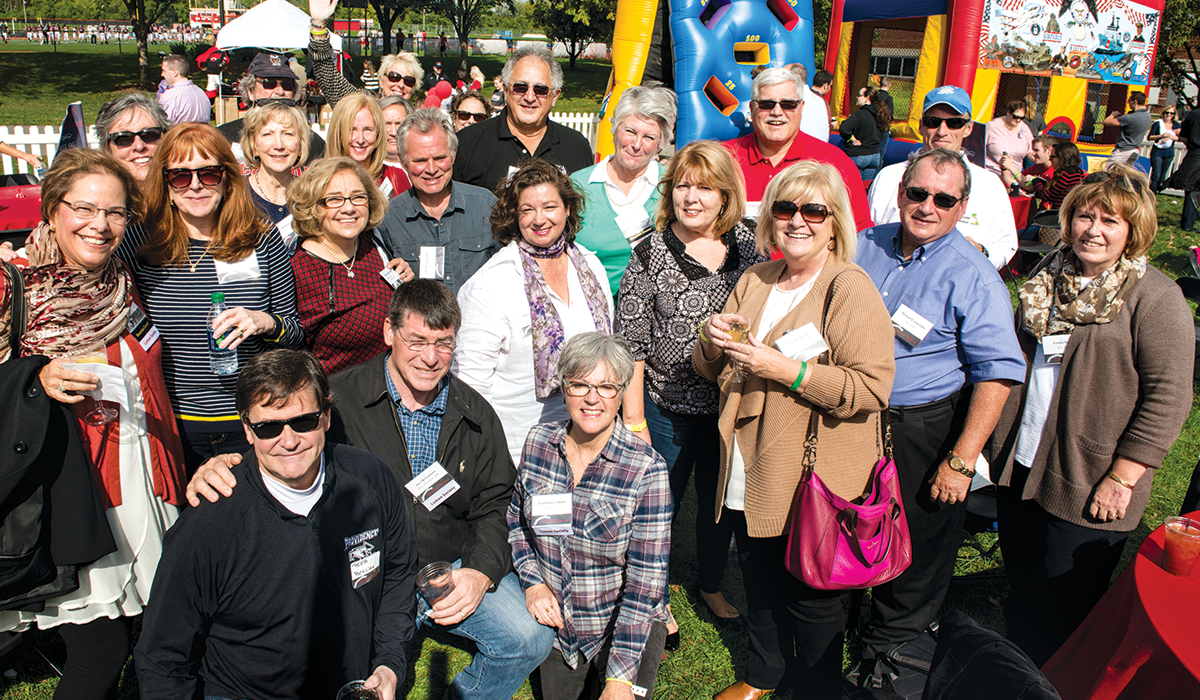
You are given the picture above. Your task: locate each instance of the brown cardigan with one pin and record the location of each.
(850, 388)
(1124, 390)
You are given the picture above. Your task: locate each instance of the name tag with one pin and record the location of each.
(802, 344)
(632, 224)
(387, 188)
(140, 328)
(752, 209)
(551, 514)
(432, 486)
(910, 326)
(432, 262)
(244, 269)
(286, 232)
(364, 564)
(639, 691)
(1053, 347)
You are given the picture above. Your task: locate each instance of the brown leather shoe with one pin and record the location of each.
(741, 691)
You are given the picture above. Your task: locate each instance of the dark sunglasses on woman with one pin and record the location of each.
(124, 139)
(271, 429)
(812, 212)
(181, 178)
(397, 78)
(465, 116)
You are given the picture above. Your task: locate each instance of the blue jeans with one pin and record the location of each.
(1160, 160)
(685, 440)
(510, 644)
(867, 165)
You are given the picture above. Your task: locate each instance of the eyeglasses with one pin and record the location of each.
(1168, 114)
(941, 200)
(441, 347)
(785, 105)
(335, 201)
(124, 139)
(582, 389)
(521, 88)
(288, 84)
(954, 123)
(398, 78)
(812, 213)
(271, 429)
(181, 178)
(86, 212)
(465, 116)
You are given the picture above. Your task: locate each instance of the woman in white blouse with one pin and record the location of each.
(521, 307)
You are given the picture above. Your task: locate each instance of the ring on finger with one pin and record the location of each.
(61, 390)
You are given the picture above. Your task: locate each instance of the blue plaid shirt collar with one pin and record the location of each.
(420, 436)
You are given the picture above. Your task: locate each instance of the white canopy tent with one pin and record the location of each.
(274, 24)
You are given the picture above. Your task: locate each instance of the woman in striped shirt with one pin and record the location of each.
(202, 234)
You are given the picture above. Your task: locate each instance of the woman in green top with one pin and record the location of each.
(622, 190)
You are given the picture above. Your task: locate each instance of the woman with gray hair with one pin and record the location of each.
(128, 129)
(589, 492)
(622, 190)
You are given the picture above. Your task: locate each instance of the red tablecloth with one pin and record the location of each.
(1020, 207)
(1141, 641)
(20, 207)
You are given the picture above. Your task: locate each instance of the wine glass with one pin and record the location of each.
(97, 413)
(739, 331)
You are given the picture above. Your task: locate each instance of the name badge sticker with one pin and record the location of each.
(802, 343)
(632, 224)
(433, 262)
(551, 514)
(910, 326)
(1053, 347)
(139, 327)
(432, 486)
(364, 564)
(244, 269)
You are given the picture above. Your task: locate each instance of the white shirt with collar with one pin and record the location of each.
(814, 120)
(988, 219)
(632, 205)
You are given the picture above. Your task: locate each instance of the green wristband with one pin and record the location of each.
(800, 377)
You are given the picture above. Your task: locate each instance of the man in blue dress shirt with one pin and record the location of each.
(956, 358)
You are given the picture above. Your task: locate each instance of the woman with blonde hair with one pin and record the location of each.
(202, 235)
(357, 130)
(274, 143)
(771, 401)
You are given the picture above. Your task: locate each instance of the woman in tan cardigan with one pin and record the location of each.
(765, 417)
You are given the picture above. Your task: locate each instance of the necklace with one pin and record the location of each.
(261, 191)
(192, 266)
(350, 267)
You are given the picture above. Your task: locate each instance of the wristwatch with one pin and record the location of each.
(956, 463)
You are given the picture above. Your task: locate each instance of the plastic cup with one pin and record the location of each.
(1182, 546)
(355, 690)
(435, 581)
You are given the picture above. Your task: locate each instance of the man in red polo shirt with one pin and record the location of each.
(777, 101)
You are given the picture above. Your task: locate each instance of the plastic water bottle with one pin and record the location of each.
(223, 362)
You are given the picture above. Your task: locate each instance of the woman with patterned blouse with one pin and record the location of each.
(677, 277)
(341, 292)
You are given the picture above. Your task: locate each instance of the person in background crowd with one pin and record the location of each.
(1187, 177)
(468, 107)
(603, 587)
(1008, 135)
(274, 144)
(497, 100)
(776, 107)
(1104, 335)
(862, 132)
(1134, 125)
(270, 78)
(1163, 134)
(956, 359)
(531, 297)
(399, 75)
(434, 77)
(814, 121)
(80, 301)
(202, 234)
(357, 130)
(370, 79)
(1010, 169)
(885, 94)
(1065, 164)
(477, 79)
(767, 417)
(622, 190)
(679, 276)
(493, 150)
(988, 223)
(395, 110)
(183, 100)
(34, 162)
(129, 128)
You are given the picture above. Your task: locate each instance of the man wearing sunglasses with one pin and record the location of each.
(987, 219)
(302, 579)
(776, 109)
(956, 359)
(431, 428)
(269, 77)
(183, 100)
(439, 226)
(490, 151)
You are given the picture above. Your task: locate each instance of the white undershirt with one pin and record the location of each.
(779, 304)
(299, 501)
(1038, 394)
(629, 207)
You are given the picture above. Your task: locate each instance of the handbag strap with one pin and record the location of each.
(16, 282)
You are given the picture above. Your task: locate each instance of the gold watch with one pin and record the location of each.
(956, 463)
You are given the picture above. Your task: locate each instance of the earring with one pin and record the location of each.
(832, 245)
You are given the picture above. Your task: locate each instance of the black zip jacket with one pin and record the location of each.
(251, 600)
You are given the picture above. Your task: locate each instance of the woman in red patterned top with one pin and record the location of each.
(341, 292)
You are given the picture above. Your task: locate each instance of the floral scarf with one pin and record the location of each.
(546, 326)
(1055, 300)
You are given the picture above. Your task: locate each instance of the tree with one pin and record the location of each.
(1180, 24)
(465, 16)
(576, 23)
(144, 15)
(387, 12)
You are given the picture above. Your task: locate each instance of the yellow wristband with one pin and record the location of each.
(636, 427)
(704, 337)
(621, 680)
(1119, 480)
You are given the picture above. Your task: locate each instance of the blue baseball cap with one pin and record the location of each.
(952, 96)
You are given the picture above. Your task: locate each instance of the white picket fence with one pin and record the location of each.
(43, 140)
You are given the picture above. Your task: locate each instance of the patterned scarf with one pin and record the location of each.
(546, 326)
(1055, 299)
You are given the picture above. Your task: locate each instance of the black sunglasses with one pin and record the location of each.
(288, 84)
(406, 79)
(271, 429)
(812, 213)
(124, 139)
(769, 105)
(285, 101)
(955, 123)
(522, 88)
(181, 178)
(466, 116)
(941, 200)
